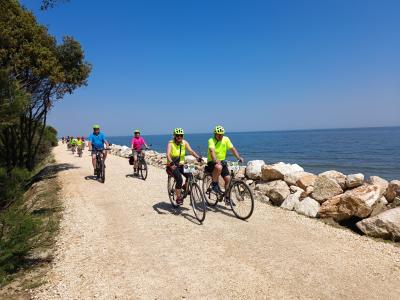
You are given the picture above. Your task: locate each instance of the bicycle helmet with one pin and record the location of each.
(96, 126)
(178, 131)
(136, 131)
(219, 129)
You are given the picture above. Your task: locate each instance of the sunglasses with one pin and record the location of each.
(179, 135)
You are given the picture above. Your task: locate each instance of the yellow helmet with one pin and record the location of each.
(219, 129)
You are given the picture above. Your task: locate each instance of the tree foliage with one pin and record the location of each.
(36, 68)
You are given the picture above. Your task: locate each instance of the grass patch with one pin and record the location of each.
(28, 228)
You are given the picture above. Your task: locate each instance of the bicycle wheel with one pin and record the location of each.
(171, 191)
(98, 169)
(143, 169)
(197, 202)
(102, 172)
(241, 200)
(210, 196)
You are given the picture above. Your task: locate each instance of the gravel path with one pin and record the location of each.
(121, 240)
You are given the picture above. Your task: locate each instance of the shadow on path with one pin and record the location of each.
(163, 208)
(51, 172)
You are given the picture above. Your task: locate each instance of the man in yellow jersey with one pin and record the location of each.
(216, 164)
(176, 150)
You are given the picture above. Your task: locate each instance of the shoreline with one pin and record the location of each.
(372, 205)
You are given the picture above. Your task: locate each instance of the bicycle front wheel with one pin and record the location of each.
(171, 191)
(198, 203)
(241, 200)
(143, 169)
(210, 196)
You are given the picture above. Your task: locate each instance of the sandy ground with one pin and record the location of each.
(122, 240)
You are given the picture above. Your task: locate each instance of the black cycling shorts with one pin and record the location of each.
(211, 165)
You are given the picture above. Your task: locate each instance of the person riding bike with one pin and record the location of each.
(72, 142)
(137, 145)
(79, 143)
(176, 150)
(216, 164)
(96, 141)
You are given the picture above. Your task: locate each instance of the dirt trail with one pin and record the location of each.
(122, 240)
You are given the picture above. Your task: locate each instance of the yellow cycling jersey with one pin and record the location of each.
(79, 143)
(178, 151)
(220, 147)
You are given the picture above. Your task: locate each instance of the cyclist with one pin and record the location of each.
(137, 145)
(72, 142)
(176, 150)
(79, 144)
(96, 141)
(216, 164)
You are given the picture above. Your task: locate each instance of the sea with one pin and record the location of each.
(371, 151)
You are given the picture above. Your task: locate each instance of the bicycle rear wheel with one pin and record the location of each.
(102, 172)
(241, 200)
(171, 191)
(198, 203)
(210, 196)
(143, 169)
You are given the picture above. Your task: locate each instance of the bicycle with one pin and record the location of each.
(73, 148)
(238, 193)
(100, 170)
(80, 149)
(197, 199)
(142, 165)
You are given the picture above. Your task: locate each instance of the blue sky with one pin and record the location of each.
(248, 65)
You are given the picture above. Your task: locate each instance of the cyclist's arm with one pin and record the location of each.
(169, 153)
(191, 151)
(236, 154)
(213, 155)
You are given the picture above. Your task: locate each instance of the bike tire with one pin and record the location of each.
(102, 172)
(241, 200)
(143, 169)
(210, 196)
(98, 170)
(171, 191)
(198, 202)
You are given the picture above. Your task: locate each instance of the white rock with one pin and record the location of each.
(340, 178)
(385, 225)
(253, 169)
(354, 180)
(308, 207)
(325, 188)
(393, 190)
(291, 201)
(382, 183)
(278, 171)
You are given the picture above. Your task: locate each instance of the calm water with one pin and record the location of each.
(372, 151)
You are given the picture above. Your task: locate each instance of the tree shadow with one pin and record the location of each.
(163, 208)
(50, 171)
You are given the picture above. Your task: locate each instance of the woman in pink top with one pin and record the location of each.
(137, 145)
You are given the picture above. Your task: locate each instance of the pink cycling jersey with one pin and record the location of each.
(137, 143)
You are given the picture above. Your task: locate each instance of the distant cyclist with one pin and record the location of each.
(176, 151)
(96, 141)
(137, 145)
(216, 164)
(79, 144)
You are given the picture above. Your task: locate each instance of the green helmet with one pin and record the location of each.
(136, 131)
(178, 131)
(219, 129)
(96, 126)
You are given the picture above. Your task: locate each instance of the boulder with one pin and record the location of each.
(308, 207)
(395, 203)
(260, 196)
(382, 183)
(277, 190)
(292, 178)
(306, 180)
(190, 159)
(253, 169)
(292, 200)
(386, 225)
(340, 178)
(379, 207)
(125, 151)
(278, 171)
(354, 180)
(358, 202)
(325, 188)
(393, 190)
